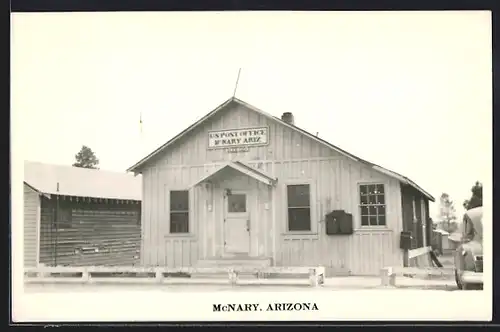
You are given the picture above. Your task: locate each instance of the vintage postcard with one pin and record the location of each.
(244, 166)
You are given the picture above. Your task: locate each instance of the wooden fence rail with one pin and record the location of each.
(161, 275)
(421, 257)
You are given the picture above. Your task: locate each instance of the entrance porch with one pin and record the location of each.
(239, 223)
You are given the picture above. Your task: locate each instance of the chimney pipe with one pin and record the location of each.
(288, 118)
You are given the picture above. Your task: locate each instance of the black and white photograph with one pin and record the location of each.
(251, 166)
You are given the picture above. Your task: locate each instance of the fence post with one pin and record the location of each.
(233, 276)
(321, 275)
(388, 277)
(85, 276)
(159, 276)
(313, 278)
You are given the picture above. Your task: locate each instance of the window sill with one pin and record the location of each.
(372, 229)
(179, 235)
(300, 235)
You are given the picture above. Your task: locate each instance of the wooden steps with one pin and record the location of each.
(235, 261)
(232, 262)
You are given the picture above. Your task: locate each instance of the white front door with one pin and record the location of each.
(236, 223)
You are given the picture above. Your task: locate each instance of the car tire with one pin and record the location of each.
(473, 286)
(457, 280)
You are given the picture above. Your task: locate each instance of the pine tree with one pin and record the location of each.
(86, 158)
(476, 199)
(447, 213)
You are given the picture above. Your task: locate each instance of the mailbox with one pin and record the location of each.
(405, 240)
(346, 224)
(338, 222)
(332, 223)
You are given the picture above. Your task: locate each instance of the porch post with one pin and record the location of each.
(274, 187)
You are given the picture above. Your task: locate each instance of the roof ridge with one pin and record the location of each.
(381, 169)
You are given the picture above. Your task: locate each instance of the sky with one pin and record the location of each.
(409, 91)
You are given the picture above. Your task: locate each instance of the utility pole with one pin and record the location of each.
(57, 224)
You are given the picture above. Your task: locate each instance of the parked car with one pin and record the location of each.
(468, 257)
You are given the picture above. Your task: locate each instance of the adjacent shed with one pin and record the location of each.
(440, 241)
(243, 184)
(76, 216)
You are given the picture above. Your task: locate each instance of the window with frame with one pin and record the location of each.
(372, 204)
(299, 207)
(64, 218)
(179, 211)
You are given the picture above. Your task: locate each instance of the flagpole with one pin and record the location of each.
(141, 136)
(140, 123)
(236, 85)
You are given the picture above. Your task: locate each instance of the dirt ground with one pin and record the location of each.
(446, 260)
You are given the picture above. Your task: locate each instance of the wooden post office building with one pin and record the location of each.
(243, 184)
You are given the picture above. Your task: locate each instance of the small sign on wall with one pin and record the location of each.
(238, 139)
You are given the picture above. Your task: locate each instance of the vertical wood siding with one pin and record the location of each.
(47, 234)
(428, 221)
(408, 196)
(335, 182)
(115, 230)
(292, 158)
(31, 211)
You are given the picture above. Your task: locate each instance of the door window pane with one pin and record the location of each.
(237, 203)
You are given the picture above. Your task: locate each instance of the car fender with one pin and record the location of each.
(464, 259)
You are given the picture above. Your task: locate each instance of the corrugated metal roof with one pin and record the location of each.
(82, 182)
(378, 168)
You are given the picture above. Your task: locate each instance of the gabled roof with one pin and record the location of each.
(81, 182)
(135, 168)
(242, 168)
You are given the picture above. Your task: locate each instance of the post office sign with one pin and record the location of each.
(232, 138)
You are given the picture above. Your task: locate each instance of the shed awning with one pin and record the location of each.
(241, 168)
(66, 180)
